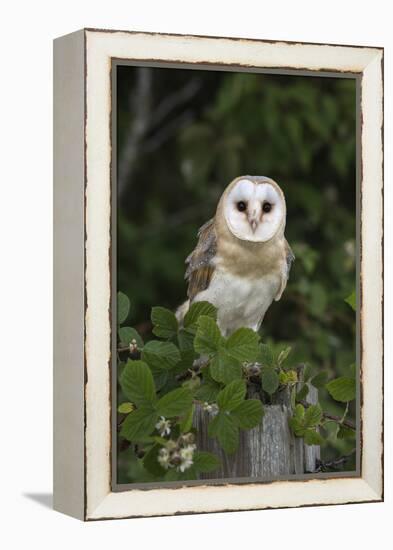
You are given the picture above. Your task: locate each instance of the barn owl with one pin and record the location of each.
(242, 260)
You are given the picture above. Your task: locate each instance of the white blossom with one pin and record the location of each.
(211, 408)
(163, 426)
(186, 456)
(163, 458)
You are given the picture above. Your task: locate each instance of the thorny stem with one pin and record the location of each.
(334, 418)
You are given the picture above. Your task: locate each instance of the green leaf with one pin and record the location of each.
(150, 461)
(225, 368)
(125, 408)
(312, 416)
(248, 414)
(175, 475)
(320, 379)
(205, 462)
(225, 429)
(123, 307)
(299, 412)
(297, 426)
(208, 391)
(164, 321)
(139, 424)
(161, 355)
(208, 336)
(127, 334)
(186, 362)
(265, 356)
(308, 372)
(345, 433)
(160, 378)
(175, 403)
(342, 389)
(232, 395)
(137, 383)
(312, 437)
(270, 380)
(185, 423)
(196, 310)
(192, 383)
(302, 393)
(283, 355)
(243, 345)
(351, 300)
(185, 340)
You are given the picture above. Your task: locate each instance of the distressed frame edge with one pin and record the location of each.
(375, 494)
(69, 274)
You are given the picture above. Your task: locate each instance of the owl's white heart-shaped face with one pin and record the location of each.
(254, 211)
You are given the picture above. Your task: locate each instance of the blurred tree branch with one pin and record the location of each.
(140, 104)
(143, 120)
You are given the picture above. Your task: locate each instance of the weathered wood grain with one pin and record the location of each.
(268, 451)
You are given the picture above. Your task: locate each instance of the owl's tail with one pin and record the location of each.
(181, 311)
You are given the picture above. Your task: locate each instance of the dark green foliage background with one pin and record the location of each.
(299, 130)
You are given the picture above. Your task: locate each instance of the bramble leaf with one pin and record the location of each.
(282, 356)
(308, 373)
(208, 390)
(196, 310)
(248, 414)
(185, 340)
(137, 383)
(185, 423)
(299, 411)
(224, 428)
(150, 461)
(320, 379)
(342, 389)
(265, 356)
(312, 437)
(243, 345)
(225, 368)
(312, 416)
(123, 307)
(139, 424)
(205, 462)
(270, 380)
(208, 336)
(344, 432)
(302, 393)
(161, 355)
(164, 321)
(232, 395)
(174, 403)
(125, 408)
(297, 426)
(351, 300)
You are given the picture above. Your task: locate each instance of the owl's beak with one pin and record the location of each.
(254, 215)
(254, 224)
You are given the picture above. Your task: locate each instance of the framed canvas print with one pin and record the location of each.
(218, 335)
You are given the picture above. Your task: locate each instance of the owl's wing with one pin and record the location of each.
(200, 266)
(289, 259)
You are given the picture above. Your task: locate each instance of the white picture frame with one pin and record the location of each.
(82, 252)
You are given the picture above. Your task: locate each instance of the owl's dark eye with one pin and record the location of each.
(266, 207)
(241, 206)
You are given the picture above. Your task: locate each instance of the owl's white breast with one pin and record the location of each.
(241, 301)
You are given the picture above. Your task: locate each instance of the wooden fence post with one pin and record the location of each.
(268, 451)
